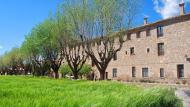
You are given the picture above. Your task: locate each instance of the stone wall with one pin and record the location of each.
(176, 41)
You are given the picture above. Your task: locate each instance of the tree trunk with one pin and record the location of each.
(102, 75)
(81, 76)
(56, 74)
(75, 75)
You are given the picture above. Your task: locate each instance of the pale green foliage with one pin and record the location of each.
(85, 69)
(100, 17)
(12, 58)
(41, 37)
(45, 37)
(65, 69)
(74, 20)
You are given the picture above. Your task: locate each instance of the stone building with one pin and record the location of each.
(158, 51)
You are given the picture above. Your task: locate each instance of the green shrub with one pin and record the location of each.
(85, 69)
(65, 69)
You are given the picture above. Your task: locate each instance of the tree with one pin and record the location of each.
(3, 67)
(32, 53)
(12, 62)
(71, 33)
(100, 19)
(74, 50)
(51, 51)
(105, 53)
(44, 45)
(75, 57)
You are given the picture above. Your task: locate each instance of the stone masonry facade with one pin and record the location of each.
(158, 51)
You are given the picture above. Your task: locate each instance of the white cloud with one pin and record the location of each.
(167, 8)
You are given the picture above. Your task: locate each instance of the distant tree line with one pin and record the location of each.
(79, 31)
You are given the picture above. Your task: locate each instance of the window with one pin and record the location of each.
(128, 36)
(161, 72)
(115, 57)
(180, 71)
(133, 72)
(126, 52)
(106, 75)
(148, 50)
(159, 31)
(144, 72)
(148, 32)
(138, 34)
(188, 59)
(132, 51)
(160, 49)
(114, 72)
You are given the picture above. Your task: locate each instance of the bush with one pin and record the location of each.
(65, 69)
(85, 69)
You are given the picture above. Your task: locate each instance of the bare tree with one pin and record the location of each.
(105, 51)
(75, 57)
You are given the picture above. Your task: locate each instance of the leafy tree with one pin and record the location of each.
(70, 35)
(31, 49)
(44, 46)
(49, 50)
(100, 19)
(74, 50)
(12, 62)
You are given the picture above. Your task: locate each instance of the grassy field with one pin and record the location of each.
(44, 92)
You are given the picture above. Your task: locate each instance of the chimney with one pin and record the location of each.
(145, 20)
(182, 8)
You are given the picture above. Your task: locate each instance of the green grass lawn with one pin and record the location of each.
(44, 92)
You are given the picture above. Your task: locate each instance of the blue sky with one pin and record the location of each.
(18, 17)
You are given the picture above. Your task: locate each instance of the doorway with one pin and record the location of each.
(106, 75)
(180, 71)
